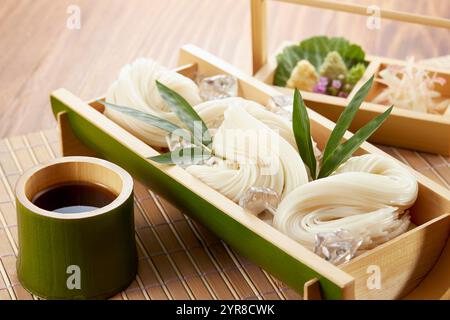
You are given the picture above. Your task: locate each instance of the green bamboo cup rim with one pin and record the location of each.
(126, 190)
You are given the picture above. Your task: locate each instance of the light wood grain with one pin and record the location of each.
(39, 54)
(73, 146)
(362, 10)
(403, 262)
(437, 283)
(259, 33)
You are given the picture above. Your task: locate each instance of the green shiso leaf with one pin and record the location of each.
(315, 50)
(345, 119)
(150, 119)
(343, 152)
(302, 133)
(183, 156)
(185, 113)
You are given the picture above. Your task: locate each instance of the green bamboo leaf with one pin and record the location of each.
(150, 119)
(302, 133)
(183, 156)
(345, 119)
(185, 113)
(345, 150)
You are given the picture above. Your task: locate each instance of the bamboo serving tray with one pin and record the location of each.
(403, 128)
(404, 261)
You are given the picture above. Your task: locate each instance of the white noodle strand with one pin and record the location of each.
(368, 196)
(263, 158)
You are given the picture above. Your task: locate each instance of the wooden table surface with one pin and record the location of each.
(39, 53)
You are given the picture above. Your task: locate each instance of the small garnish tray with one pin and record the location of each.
(403, 128)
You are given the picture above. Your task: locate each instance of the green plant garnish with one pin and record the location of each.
(302, 133)
(315, 50)
(150, 119)
(343, 152)
(345, 119)
(335, 153)
(355, 73)
(199, 134)
(185, 113)
(183, 156)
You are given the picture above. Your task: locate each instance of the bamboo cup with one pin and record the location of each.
(88, 255)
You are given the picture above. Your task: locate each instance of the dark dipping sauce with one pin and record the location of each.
(76, 197)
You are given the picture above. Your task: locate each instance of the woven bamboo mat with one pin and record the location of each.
(178, 259)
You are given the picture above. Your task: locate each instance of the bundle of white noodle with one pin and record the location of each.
(256, 156)
(368, 195)
(212, 113)
(136, 88)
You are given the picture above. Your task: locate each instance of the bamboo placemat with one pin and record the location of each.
(178, 258)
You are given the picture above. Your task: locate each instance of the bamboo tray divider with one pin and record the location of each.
(405, 260)
(404, 128)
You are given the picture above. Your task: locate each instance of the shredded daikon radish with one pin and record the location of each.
(256, 157)
(368, 195)
(411, 87)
